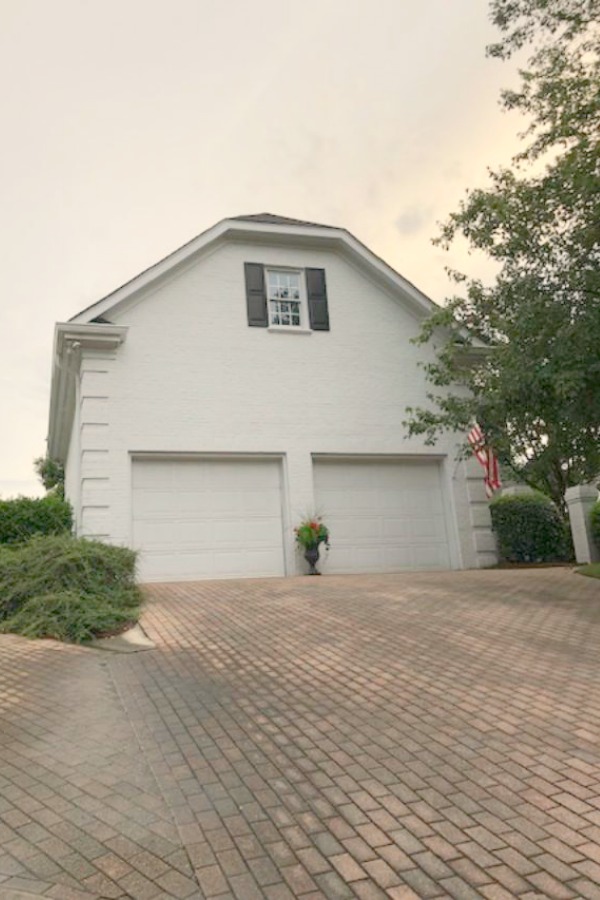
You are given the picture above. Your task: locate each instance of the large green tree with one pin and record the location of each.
(522, 355)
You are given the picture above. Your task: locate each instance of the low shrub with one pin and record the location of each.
(66, 588)
(24, 517)
(76, 618)
(529, 528)
(595, 522)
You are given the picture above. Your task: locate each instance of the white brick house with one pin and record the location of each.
(257, 374)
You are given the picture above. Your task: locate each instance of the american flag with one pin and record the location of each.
(485, 457)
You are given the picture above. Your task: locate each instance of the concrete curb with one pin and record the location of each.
(132, 641)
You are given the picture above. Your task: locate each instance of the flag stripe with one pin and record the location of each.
(486, 458)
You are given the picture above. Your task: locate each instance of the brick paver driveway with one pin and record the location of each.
(396, 736)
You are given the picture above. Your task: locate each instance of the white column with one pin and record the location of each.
(476, 538)
(580, 500)
(95, 520)
(300, 503)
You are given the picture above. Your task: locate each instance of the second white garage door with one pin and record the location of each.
(207, 518)
(383, 516)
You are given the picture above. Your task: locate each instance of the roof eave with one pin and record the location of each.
(69, 340)
(240, 229)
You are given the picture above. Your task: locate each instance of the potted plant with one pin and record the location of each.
(310, 534)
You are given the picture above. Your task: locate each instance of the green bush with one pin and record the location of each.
(71, 617)
(66, 588)
(595, 520)
(24, 517)
(529, 528)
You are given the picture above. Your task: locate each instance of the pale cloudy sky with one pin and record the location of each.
(129, 126)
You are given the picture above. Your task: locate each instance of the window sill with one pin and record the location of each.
(289, 329)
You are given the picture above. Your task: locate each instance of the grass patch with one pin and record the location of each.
(592, 570)
(67, 588)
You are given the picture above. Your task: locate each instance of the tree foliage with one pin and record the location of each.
(51, 473)
(522, 355)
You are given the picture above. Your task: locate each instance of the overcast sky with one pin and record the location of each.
(129, 126)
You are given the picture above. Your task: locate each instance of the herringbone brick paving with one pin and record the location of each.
(414, 735)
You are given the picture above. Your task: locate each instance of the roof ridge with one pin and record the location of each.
(267, 218)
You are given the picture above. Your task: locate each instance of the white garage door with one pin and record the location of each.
(383, 516)
(207, 518)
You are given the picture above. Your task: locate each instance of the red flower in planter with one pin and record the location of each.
(311, 533)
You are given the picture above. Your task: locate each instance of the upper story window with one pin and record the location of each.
(284, 298)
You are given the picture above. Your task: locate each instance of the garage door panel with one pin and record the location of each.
(413, 502)
(155, 534)
(368, 559)
(428, 556)
(185, 476)
(228, 532)
(192, 534)
(363, 528)
(422, 529)
(383, 515)
(392, 500)
(190, 565)
(398, 558)
(232, 533)
(235, 564)
(207, 518)
(160, 567)
(156, 504)
(262, 503)
(188, 503)
(151, 472)
(265, 533)
(221, 503)
(398, 528)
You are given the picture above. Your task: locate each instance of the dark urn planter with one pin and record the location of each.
(311, 555)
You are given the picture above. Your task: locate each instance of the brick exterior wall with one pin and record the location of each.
(193, 377)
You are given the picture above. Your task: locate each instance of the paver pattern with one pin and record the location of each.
(416, 735)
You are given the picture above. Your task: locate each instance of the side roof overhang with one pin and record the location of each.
(265, 229)
(69, 340)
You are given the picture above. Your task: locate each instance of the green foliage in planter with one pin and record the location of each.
(529, 528)
(312, 532)
(66, 588)
(24, 517)
(595, 520)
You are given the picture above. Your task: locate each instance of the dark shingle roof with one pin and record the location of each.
(271, 219)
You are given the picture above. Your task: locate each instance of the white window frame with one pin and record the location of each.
(303, 327)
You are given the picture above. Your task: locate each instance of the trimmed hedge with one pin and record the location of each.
(67, 588)
(24, 517)
(595, 521)
(529, 528)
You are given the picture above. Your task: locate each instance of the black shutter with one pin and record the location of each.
(316, 290)
(256, 297)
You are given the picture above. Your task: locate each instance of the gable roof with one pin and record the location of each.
(271, 219)
(264, 227)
